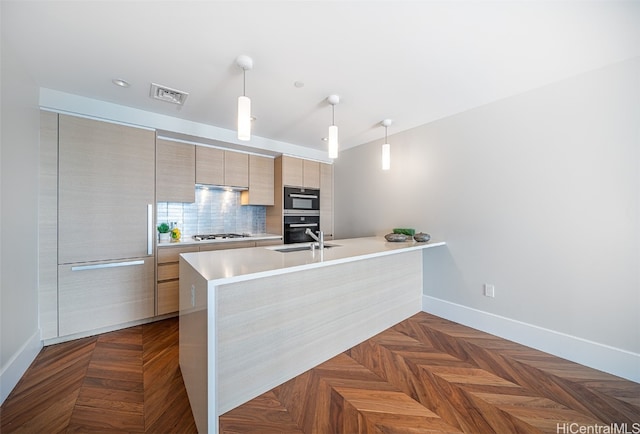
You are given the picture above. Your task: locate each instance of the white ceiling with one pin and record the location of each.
(413, 62)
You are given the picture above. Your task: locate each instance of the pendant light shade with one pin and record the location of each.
(386, 147)
(244, 103)
(333, 141)
(244, 118)
(333, 129)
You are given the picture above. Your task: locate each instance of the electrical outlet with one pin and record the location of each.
(489, 290)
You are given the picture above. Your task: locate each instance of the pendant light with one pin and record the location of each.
(386, 147)
(333, 129)
(244, 103)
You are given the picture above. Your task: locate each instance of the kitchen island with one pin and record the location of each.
(251, 319)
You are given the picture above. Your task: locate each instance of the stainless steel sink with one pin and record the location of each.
(300, 248)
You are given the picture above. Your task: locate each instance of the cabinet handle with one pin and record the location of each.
(149, 229)
(107, 265)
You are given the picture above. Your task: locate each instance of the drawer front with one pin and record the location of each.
(168, 297)
(93, 296)
(172, 254)
(168, 271)
(227, 246)
(261, 243)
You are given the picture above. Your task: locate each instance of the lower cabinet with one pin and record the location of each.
(168, 274)
(103, 294)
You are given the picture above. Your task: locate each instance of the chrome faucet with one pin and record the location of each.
(319, 238)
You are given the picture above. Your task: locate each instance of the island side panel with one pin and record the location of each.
(193, 346)
(269, 330)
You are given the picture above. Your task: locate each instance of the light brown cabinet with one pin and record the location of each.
(175, 171)
(168, 277)
(219, 167)
(105, 187)
(298, 172)
(236, 169)
(106, 190)
(97, 295)
(326, 199)
(310, 174)
(260, 182)
(209, 166)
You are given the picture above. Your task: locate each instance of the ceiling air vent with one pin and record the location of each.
(164, 93)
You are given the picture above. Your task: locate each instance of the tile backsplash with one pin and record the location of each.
(215, 211)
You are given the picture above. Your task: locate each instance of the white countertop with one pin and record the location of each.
(227, 266)
(187, 241)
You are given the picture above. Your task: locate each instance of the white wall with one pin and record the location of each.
(537, 194)
(19, 333)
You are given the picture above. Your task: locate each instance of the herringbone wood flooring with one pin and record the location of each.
(429, 375)
(123, 381)
(424, 375)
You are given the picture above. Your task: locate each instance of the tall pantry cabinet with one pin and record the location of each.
(106, 189)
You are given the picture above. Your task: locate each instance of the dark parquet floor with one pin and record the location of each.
(424, 375)
(430, 375)
(126, 381)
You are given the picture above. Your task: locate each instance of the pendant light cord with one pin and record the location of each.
(244, 82)
(333, 114)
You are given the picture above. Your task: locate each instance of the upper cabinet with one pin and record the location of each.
(236, 169)
(175, 174)
(261, 179)
(297, 172)
(209, 166)
(219, 167)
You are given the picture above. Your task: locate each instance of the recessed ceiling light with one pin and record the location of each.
(324, 139)
(298, 84)
(120, 82)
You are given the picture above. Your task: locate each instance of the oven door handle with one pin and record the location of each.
(303, 196)
(302, 225)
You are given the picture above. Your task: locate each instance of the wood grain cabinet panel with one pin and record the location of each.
(236, 169)
(48, 226)
(326, 199)
(209, 166)
(260, 182)
(291, 171)
(310, 174)
(94, 298)
(106, 182)
(176, 171)
(227, 245)
(168, 274)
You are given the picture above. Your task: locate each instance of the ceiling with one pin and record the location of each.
(413, 62)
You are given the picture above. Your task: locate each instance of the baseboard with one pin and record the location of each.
(622, 363)
(18, 365)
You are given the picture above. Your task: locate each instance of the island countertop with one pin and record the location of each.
(227, 266)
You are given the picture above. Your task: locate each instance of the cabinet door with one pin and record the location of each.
(292, 171)
(326, 199)
(260, 182)
(310, 174)
(176, 171)
(209, 166)
(97, 295)
(236, 169)
(106, 181)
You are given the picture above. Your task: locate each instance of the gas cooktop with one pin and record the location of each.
(216, 236)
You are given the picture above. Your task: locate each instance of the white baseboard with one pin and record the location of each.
(18, 365)
(616, 361)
